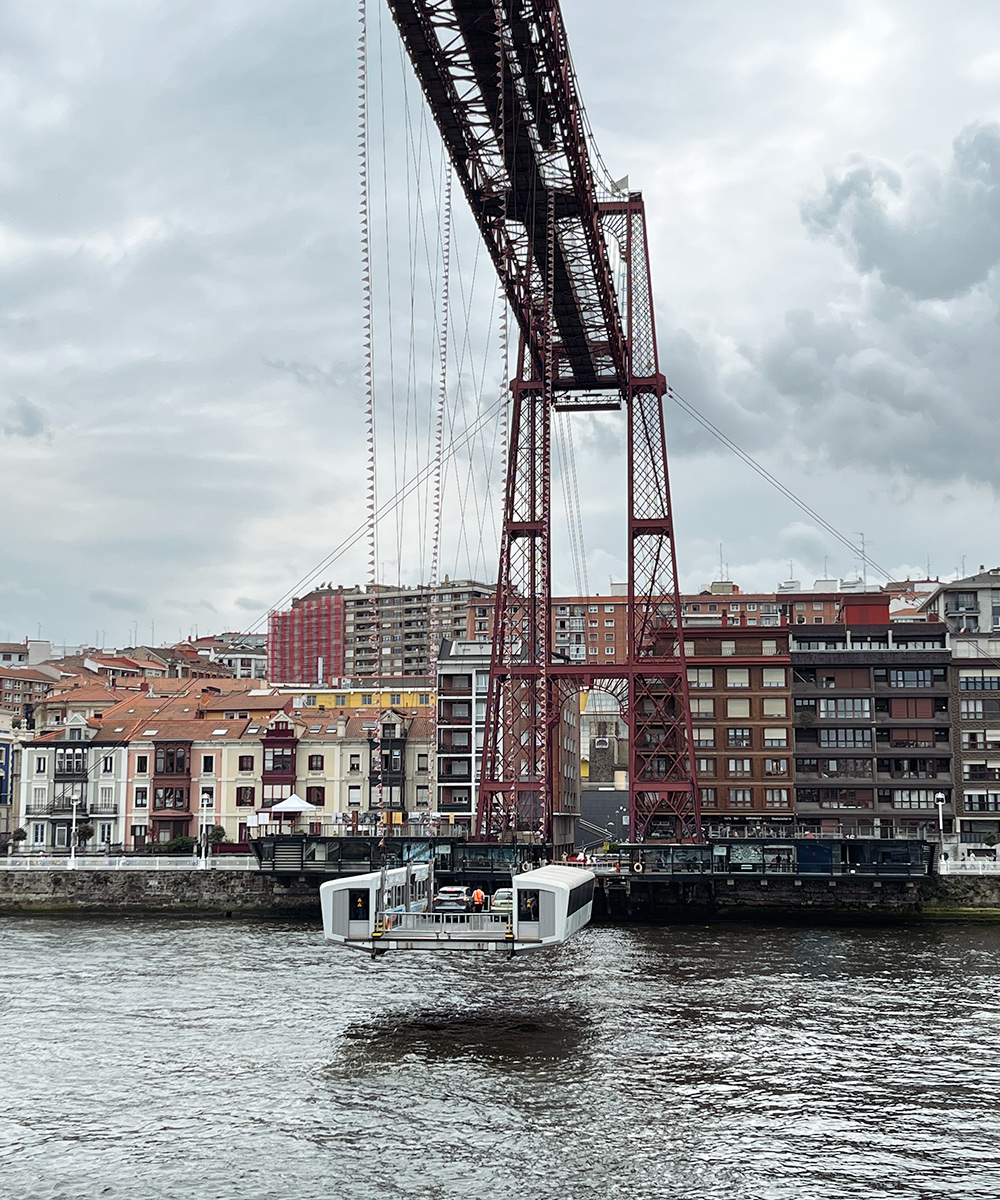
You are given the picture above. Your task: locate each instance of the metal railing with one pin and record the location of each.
(125, 862)
(428, 923)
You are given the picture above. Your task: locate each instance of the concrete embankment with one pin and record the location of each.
(622, 899)
(178, 892)
(802, 898)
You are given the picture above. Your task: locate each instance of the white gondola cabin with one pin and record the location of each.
(392, 911)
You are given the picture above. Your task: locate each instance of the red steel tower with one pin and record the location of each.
(573, 258)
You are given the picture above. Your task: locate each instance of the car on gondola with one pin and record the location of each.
(502, 900)
(452, 899)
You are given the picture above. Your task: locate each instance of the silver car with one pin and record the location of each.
(453, 899)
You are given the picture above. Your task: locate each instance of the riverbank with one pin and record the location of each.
(216, 893)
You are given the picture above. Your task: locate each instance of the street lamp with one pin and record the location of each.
(939, 800)
(72, 837)
(207, 798)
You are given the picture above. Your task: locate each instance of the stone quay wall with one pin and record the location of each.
(619, 899)
(180, 892)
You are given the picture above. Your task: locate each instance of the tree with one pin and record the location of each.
(83, 834)
(19, 835)
(217, 835)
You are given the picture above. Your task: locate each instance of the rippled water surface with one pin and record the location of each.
(154, 1058)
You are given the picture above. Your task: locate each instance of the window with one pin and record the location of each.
(704, 737)
(141, 797)
(278, 758)
(142, 764)
(366, 697)
(702, 707)
(708, 797)
(354, 763)
(700, 677)
(421, 762)
(424, 698)
(768, 648)
(728, 649)
(609, 608)
(609, 649)
(423, 795)
(773, 677)
(75, 735)
(339, 701)
(171, 760)
(38, 835)
(738, 677)
(737, 708)
(316, 795)
(775, 766)
(246, 762)
(982, 802)
(776, 797)
(739, 768)
(207, 797)
(845, 737)
(315, 762)
(705, 766)
(108, 765)
(41, 764)
(245, 797)
(107, 795)
(845, 706)
(738, 738)
(208, 764)
(774, 706)
(170, 797)
(913, 798)
(909, 677)
(395, 698)
(354, 796)
(775, 738)
(740, 798)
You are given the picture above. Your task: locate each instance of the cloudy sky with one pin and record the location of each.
(181, 407)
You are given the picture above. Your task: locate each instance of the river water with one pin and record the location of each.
(156, 1058)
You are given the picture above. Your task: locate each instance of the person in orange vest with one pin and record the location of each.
(478, 900)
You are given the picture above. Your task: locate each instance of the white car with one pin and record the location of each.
(502, 900)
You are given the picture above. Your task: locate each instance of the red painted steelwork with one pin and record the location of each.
(501, 87)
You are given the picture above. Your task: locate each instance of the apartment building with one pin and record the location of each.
(739, 682)
(21, 689)
(970, 609)
(463, 687)
(338, 634)
(145, 774)
(873, 725)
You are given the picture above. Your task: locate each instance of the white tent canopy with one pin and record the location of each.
(294, 804)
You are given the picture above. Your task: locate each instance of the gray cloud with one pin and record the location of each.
(23, 419)
(933, 232)
(122, 601)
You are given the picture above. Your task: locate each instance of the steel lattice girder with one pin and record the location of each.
(498, 79)
(501, 88)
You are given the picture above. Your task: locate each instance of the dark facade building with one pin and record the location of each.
(873, 727)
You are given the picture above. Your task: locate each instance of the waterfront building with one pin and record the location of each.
(873, 724)
(739, 682)
(970, 608)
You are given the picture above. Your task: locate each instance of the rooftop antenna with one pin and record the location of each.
(722, 570)
(826, 573)
(963, 566)
(864, 562)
